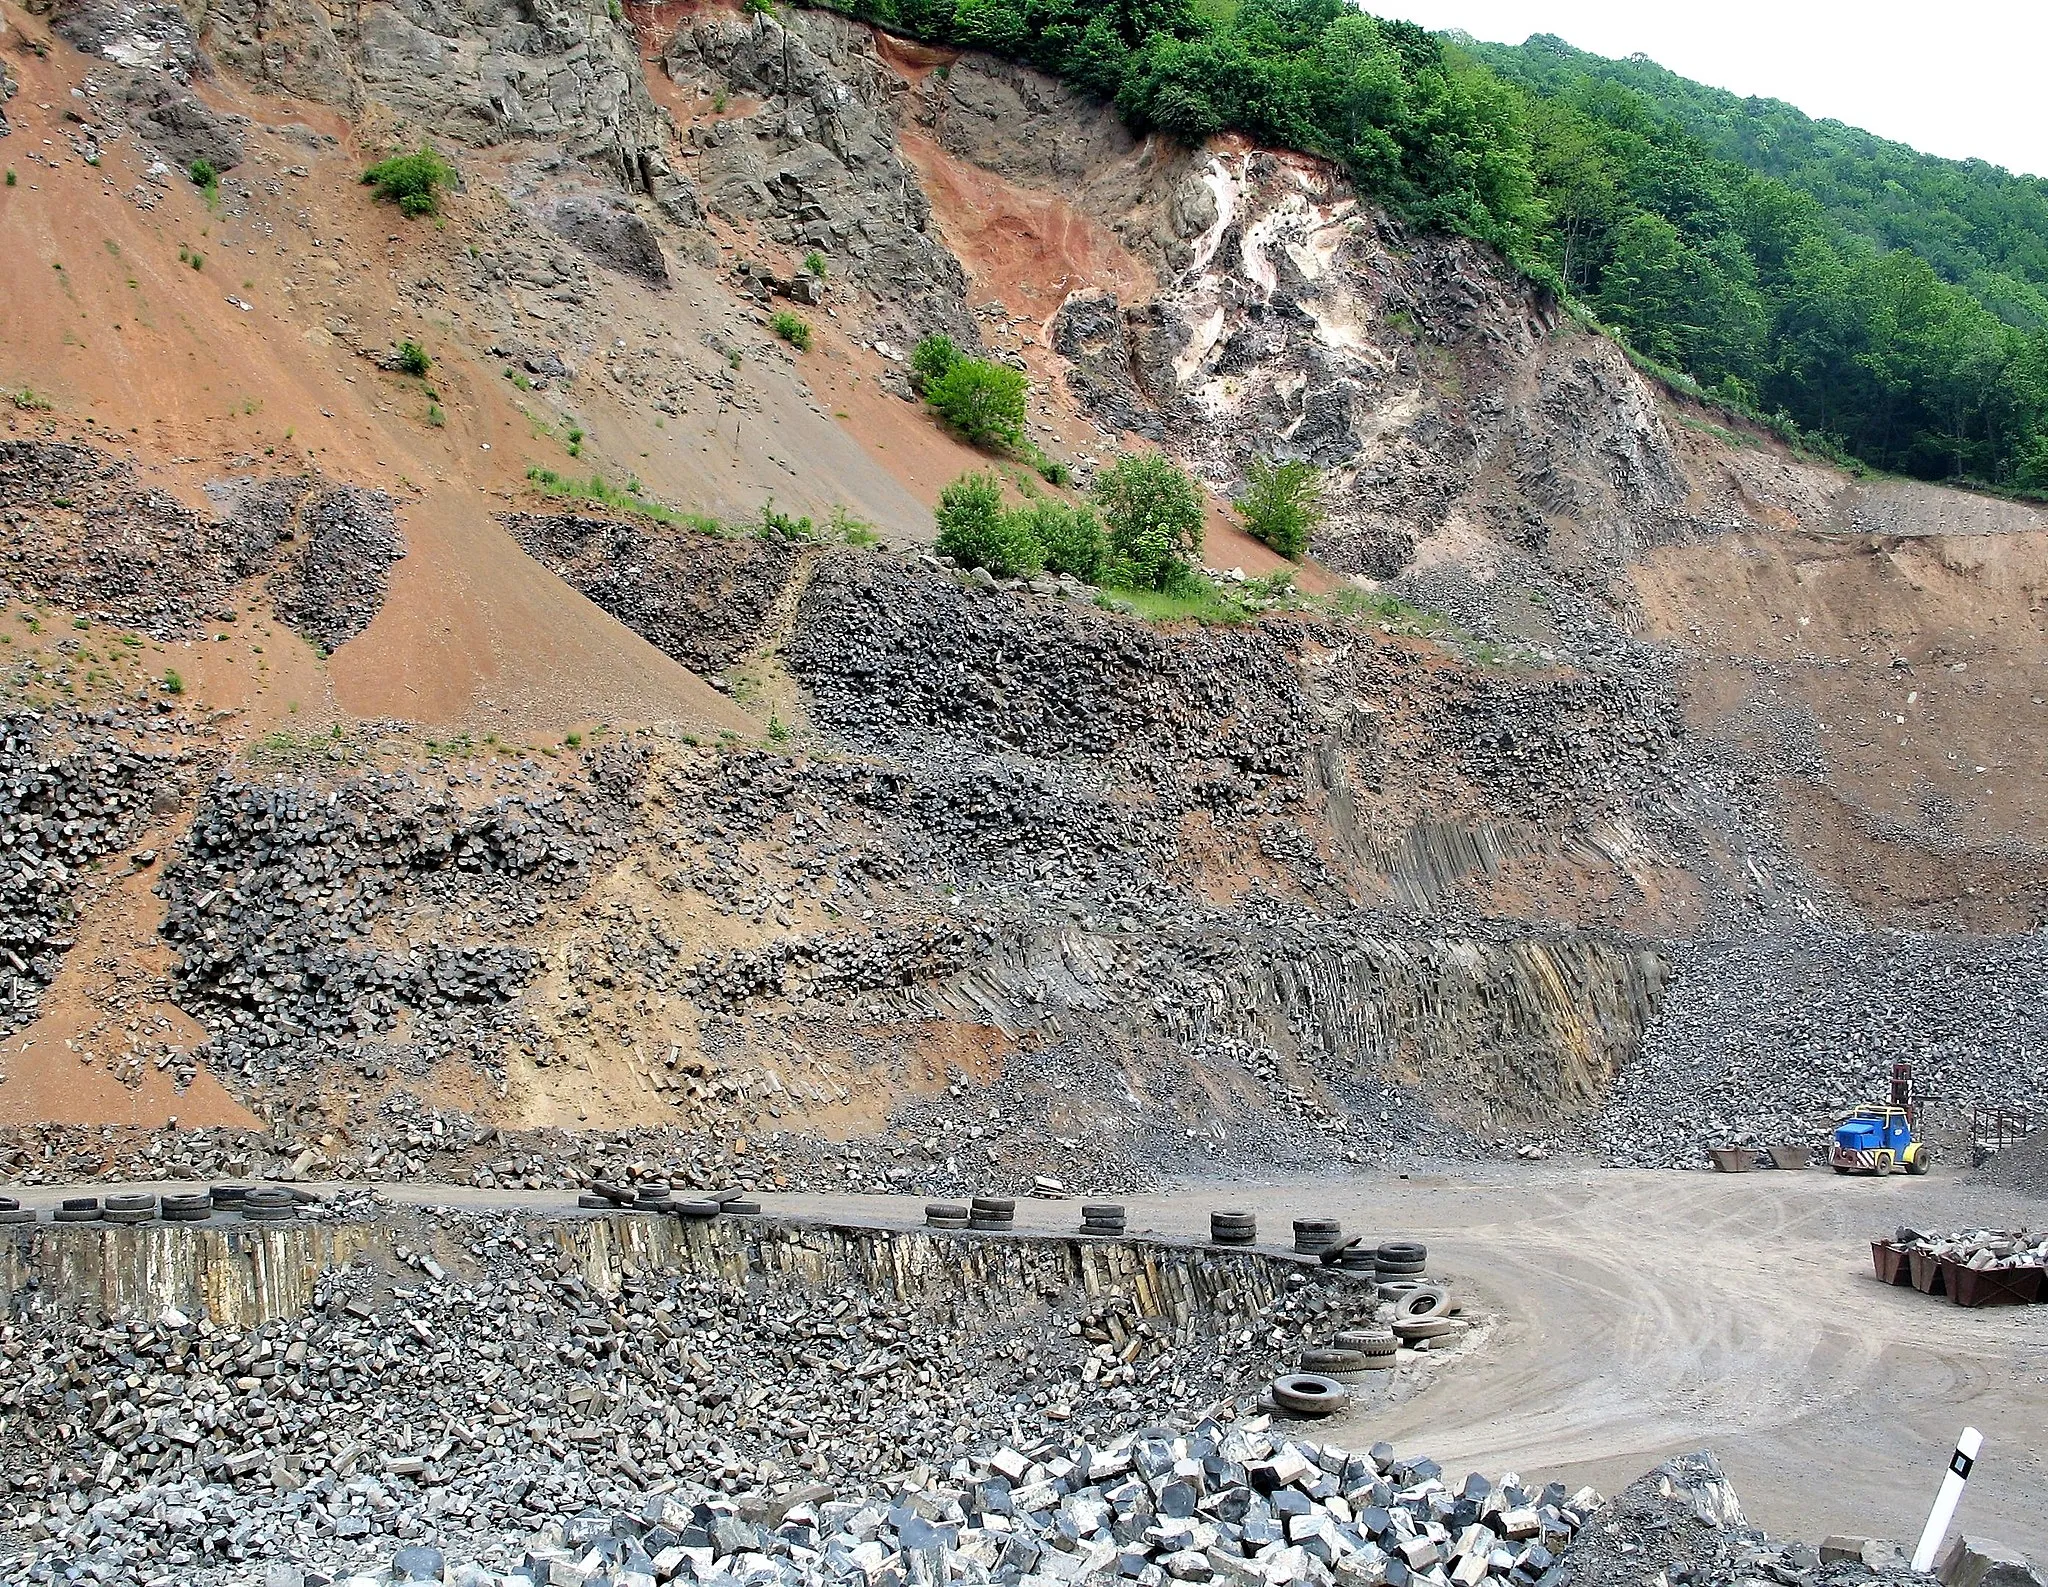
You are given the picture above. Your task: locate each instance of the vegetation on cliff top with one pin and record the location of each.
(1888, 305)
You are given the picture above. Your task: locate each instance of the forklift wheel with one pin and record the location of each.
(1920, 1164)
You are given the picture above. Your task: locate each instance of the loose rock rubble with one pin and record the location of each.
(1986, 1250)
(71, 793)
(1683, 1522)
(483, 1379)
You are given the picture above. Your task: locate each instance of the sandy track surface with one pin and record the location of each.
(1643, 1313)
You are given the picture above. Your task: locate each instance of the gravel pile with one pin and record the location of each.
(1684, 1523)
(1777, 1036)
(2022, 1166)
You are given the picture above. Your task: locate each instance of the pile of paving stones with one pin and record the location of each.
(1231, 1501)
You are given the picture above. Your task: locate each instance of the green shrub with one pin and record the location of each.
(1072, 537)
(1282, 504)
(781, 526)
(412, 181)
(1154, 514)
(814, 262)
(976, 531)
(793, 329)
(932, 359)
(982, 402)
(206, 177)
(173, 684)
(413, 359)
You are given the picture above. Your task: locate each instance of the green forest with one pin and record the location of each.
(1880, 303)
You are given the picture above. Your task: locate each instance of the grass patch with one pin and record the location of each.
(600, 492)
(793, 329)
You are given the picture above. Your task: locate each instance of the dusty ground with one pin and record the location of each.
(1645, 1313)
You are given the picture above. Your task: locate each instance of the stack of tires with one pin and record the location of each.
(1373, 1348)
(945, 1215)
(736, 1203)
(1400, 1262)
(992, 1213)
(692, 1207)
(140, 1208)
(1102, 1218)
(270, 1204)
(229, 1198)
(1313, 1236)
(1233, 1228)
(77, 1209)
(193, 1207)
(12, 1211)
(654, 1197)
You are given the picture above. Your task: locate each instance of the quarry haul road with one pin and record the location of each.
(1642, 1313)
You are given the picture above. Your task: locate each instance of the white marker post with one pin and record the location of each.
(1951, 1495)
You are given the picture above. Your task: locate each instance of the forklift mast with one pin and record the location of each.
(1902, 1093)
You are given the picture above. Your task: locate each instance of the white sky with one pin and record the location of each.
(1964, 78)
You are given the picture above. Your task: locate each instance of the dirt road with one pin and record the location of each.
(1644, 1313)
(1647, 1313)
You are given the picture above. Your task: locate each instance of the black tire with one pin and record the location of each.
(1232, 1219)
(1101, 1212)
(228, 1195)
(1367, 1341)
(1228, 1238)
(1317, 1226)
(9, 1204)
(186, 1203)
(75, 1214)
(80, 1204)
(617, 1195)
(126, 1203)
(991, 1225)
(1403, 1251)
(1331, 1361)
(187, 1215)
(130, 1215)
(595, 1203)
(943, 1209)
(269, 1196)
(996, 1206)
(946, 1223)
(743, 1209)
(1308, 1394)
(13, 1215)
(694, 1208)
(270, 1211)
(1922, 1161)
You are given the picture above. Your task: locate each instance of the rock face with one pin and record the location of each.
(818, 166)
(280, 894)
(609, 231)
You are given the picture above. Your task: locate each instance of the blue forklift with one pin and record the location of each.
(1883, 1139)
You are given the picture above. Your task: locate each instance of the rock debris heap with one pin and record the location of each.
(487, 1406)
(1985, 1250)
